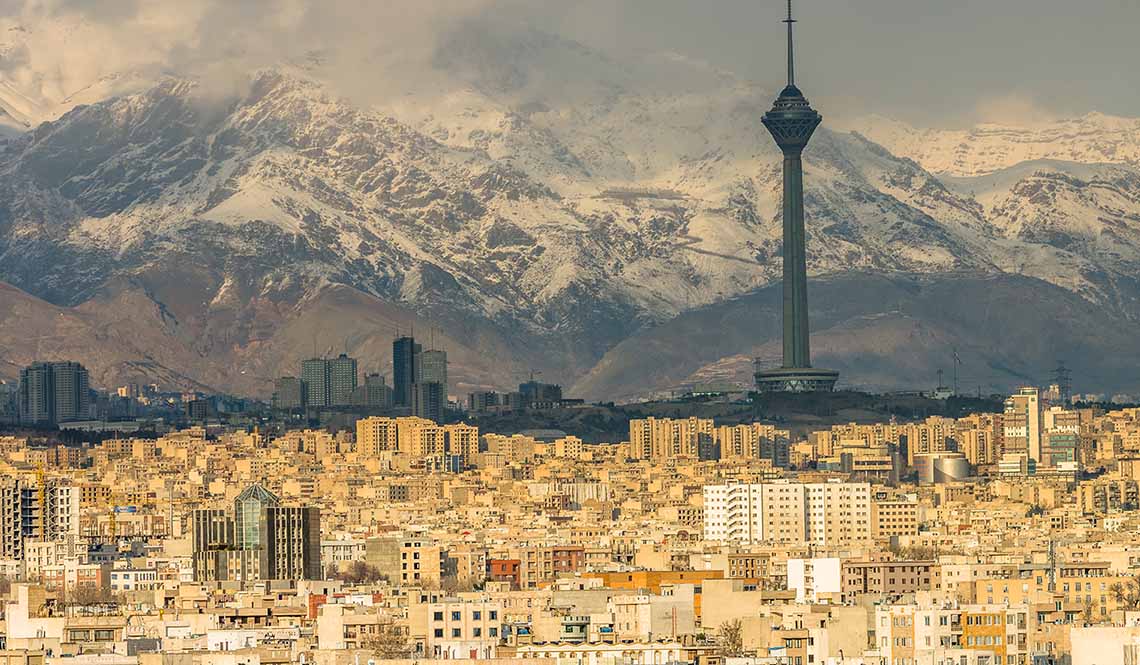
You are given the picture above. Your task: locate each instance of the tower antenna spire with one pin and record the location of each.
(791, 121)
(791, 53)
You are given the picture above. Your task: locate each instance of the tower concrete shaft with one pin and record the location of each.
(791, 122)
(797, 345)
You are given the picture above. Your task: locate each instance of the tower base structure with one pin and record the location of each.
(796, 380)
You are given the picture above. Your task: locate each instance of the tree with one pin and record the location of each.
(358, 572)
(452, 584)
(86, 595)
(731, 638)
(1088, 611)
(389, 642)
(1127, 594)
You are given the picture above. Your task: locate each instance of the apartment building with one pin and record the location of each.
(886, 579)
(375, 435)
(824, 514)
(971, 634)
(462, 441)
(1022, 424)
(31, 511)
(668, 438)
(894, 517)
(541, 565)
(464, 630)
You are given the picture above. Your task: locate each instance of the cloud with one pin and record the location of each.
(1013, 109)
(918, 59)
(57, 48)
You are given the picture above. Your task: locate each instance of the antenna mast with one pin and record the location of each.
(957, 362)
(791, 56)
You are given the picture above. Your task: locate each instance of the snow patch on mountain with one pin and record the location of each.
(1094, 138)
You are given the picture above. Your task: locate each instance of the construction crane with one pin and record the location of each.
(41, 489)
(113, 524)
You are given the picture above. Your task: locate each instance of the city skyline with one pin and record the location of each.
(443, 534)
(613, 440)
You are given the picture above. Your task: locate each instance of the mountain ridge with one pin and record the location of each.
(558, 231)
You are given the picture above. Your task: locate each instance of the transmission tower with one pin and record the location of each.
(1063, 378)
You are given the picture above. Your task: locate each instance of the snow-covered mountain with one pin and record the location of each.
(1093, 138)
(536, 201)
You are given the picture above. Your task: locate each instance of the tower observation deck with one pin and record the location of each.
(791, 122)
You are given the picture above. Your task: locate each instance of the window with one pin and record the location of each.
(455, 632)
(477, 632)
(102, 635)
(456, 616)
(439, 632)
(494, 614)
(477, 615)
(438, 616)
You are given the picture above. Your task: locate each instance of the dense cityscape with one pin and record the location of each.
(355, 517)
(995, 537)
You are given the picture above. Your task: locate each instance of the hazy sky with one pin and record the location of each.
(924, 59)
(929, 61)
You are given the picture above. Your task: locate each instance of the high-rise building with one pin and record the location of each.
(428, 401)
(342, 380)
(11, 524)
(259, 540)
(822, 514)
(404, 352)
(791, 122)
(462, 441)
(375, 435)
(754, 441)
(31, 512)
(213, 537)
(1022, 424)
(54, 392)
(288, 393)
(483, 401)
(534, 392)
(1060, 438)
(9, 402)
(329, 381)
(314, 374)
(419, 438)
(248, 508)
(374, 394)
(290, 543)
(432, 368)
(669, 438)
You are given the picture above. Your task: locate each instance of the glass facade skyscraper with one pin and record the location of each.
(404, 352)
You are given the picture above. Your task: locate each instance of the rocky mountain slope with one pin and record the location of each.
(545, 211)
(886, 332)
